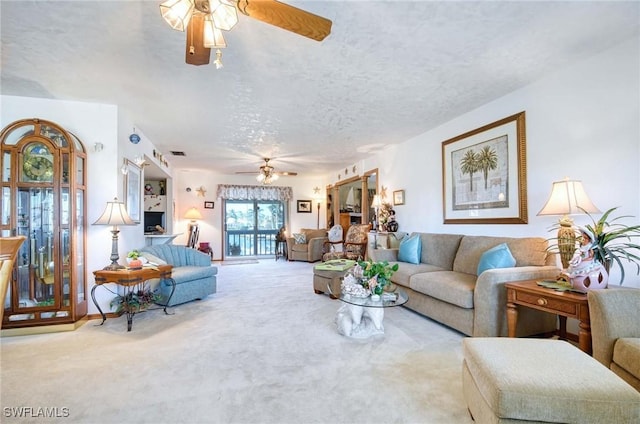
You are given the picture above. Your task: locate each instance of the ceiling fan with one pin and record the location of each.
(267, 173)
(205, 20)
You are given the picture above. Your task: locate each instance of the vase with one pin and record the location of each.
(595, 278)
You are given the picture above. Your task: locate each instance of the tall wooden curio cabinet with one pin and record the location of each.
(44, 198)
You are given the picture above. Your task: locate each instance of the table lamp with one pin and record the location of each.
(114, 214)
(567, 198)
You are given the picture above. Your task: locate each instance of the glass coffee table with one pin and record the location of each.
(361, 317)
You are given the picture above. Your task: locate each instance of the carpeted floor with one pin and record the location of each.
(264, 349)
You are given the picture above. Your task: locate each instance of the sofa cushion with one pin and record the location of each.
(410, 249)
(528, 251)
(439, 249)
(626, 353)
(185, 274)
(497, 257)
(300, 238)
(298, 247)
(449, 286)
(406, 270)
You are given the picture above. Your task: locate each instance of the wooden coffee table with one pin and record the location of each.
(565, 304)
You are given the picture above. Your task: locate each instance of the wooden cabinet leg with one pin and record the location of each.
(512, 318)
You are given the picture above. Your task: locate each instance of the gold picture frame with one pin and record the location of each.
(484, 174)
(398, 197)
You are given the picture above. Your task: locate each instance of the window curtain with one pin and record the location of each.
(252, 192)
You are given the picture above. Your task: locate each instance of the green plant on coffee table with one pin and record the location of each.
(374, 276)
(614, 241)
(135, 301)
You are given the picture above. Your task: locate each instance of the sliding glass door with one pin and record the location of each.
(251, 227)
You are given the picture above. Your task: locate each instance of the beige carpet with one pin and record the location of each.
(264, 349)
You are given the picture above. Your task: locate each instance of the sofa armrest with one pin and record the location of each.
(389, 255)
(490, 296)
(613, 314)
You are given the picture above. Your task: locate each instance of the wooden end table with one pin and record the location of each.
(565, 304)
(132, 280)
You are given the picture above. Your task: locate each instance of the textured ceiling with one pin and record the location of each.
(390, 70)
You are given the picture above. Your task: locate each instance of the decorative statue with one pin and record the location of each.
(584, 271)
(392, 224)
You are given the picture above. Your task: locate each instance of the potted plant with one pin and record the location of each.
(614, 241)
(135, 301)
(375, 276)
(133, 259)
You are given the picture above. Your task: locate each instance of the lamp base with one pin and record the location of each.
(113, 267)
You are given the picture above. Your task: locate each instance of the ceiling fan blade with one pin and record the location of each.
(196, 52)
(285, 173)
(287, 17)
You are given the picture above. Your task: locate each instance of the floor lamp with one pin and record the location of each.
(567, 198)
(114, 214)
(193, 214)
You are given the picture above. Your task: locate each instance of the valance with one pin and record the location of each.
(254, 192)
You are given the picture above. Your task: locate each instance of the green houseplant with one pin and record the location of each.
(382, 271)
(614, 241)
(134, 261)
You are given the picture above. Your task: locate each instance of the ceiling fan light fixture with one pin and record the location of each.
(213, 37)
(177, 13)
(224, 14)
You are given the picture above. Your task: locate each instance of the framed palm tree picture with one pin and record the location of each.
(484, 174)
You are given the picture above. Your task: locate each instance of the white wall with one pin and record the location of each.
(582, 122)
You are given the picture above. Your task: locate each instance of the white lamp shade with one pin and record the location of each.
(212, 35)
(376, 203)
(224, 15)
(115, 214)
(193, 214)
(567, 198)
(177, 13)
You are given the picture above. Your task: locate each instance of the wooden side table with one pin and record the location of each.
(565, 304)
(133, 280)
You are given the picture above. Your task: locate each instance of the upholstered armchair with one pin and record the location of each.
(306, 245)
(354, 246)
(615, 331)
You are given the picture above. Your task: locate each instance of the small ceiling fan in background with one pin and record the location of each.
(267, 173)
(205, 20)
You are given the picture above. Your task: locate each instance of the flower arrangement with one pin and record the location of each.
(135, 301)
(374, 276)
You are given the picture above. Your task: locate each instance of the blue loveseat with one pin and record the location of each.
(193, 273)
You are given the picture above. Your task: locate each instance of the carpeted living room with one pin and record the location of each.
(240, 157)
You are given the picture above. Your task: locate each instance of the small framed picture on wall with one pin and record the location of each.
(304, 206)
(398, 197)
(208, 205)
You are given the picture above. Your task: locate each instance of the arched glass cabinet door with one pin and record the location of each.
(43, 198)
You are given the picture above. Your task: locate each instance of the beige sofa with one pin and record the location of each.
(311, 250)
(615, 331)
(444, 285)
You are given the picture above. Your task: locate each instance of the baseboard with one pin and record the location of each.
(43, 329)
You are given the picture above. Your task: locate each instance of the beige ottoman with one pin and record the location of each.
(532, 380)
(330, 274)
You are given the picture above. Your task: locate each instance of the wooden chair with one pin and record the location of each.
(9, 247)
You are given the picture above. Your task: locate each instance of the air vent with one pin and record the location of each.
(175, 153)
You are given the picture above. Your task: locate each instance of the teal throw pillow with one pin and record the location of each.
(497, 257)
(410, 249)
